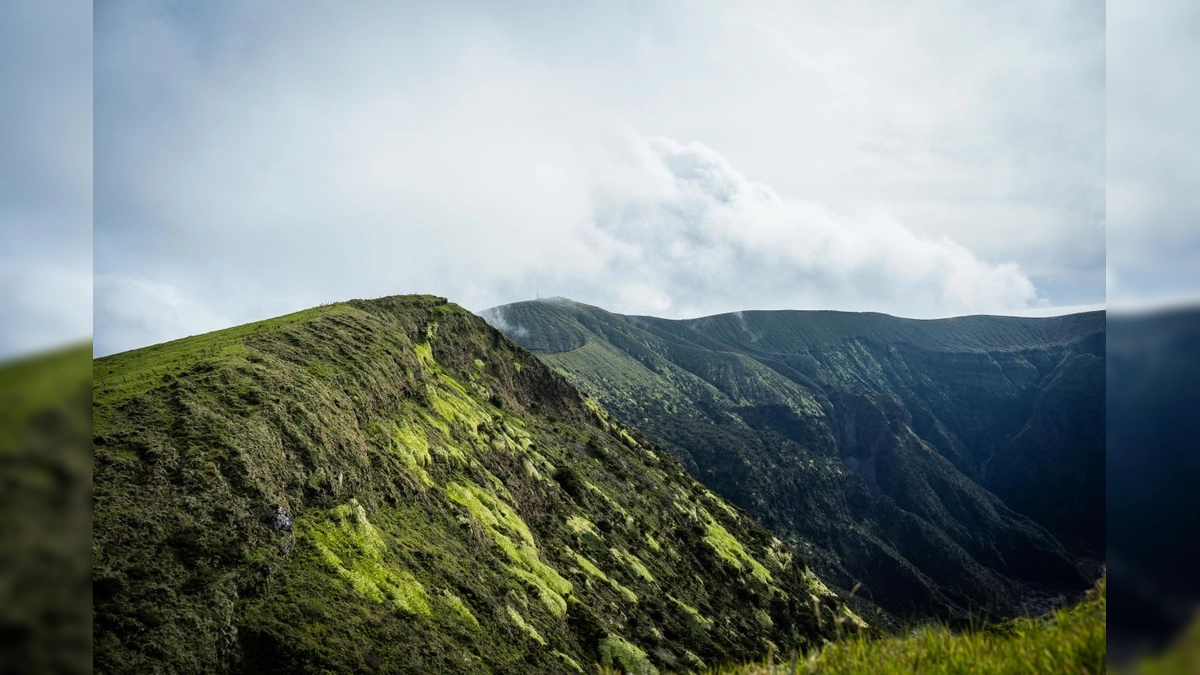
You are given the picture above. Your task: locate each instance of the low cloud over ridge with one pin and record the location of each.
(689, 234)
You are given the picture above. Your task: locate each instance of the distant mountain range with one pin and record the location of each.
(953, 467)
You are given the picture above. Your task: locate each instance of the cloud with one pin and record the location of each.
(688, 234)
(132, 311)
(496, 318)
(264, 158)
(1153, 204)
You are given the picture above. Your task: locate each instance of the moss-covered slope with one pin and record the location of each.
(953, 467)
(457, 506)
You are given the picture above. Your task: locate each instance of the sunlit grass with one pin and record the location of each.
(1071, 640)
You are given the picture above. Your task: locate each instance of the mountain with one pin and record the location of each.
(393, 486)
(953, 467)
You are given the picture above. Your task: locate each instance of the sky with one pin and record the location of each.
(668, 158)
(45, 174)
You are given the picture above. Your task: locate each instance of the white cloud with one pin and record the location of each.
(691, 235)
(1153, 204)
(264, 158)
(132, 311)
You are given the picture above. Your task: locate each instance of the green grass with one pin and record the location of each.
(118, 377)
(1070, 640)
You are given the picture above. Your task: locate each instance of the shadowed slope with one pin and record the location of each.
(877, 444)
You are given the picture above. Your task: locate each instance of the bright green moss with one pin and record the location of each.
(591, 568)
(408, 442)
(530, 470)
(696, 621)
(460, 609)
(552, 598)
(631, 561)
(457, 409)
(569, 661)
(581, 525)
(353, 548)
(424, 352)
(816, 587)
(512, 535)
(653, 543)
(520, 622)
(732, 551)
(722, 504)
(616, 652)
(853, 618)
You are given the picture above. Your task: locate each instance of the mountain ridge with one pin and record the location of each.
(795, 415)
(392, 485)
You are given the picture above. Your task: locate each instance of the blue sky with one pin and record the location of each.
(671, 158)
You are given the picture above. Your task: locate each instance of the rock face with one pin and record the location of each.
(456, 506)
(281, 520)
(952, 466)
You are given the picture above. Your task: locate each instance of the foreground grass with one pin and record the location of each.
(1071, 640)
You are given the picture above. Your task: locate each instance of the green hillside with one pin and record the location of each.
(455, 506)
(955, 467)
(45, 589)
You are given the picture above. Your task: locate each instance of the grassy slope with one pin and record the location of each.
(1069, 641)
(764, 406)
(45, 590)
(458, 507)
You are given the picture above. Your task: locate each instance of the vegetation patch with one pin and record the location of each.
(581, 525)
(504, 525)
(566, 658)
(460, 609)
(520, 622)
(351, 546)
(410, 445)
(631, 561)
(696, 621)
(732, 551)
(591, 568)
(616, 652)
